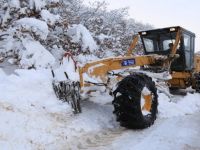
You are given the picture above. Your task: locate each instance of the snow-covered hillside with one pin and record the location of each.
(57, 27)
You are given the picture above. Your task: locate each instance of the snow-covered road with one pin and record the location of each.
(180, 133)
(32, 118)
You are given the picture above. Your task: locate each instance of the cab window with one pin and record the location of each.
(148, 45)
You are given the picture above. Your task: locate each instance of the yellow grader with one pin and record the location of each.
(169, 62)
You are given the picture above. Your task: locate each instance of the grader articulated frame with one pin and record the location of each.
(169, 59)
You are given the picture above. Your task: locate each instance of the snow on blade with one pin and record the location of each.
(35, 25)
(81, 35)
(35, 55)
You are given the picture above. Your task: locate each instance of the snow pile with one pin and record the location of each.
(35, 55)
(81, 35)
(33, 118)
(188, 104)
(36, 26)
(48, 17)
(28, 115)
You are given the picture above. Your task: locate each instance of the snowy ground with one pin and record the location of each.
(33, 118)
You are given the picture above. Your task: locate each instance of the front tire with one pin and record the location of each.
(135, 101)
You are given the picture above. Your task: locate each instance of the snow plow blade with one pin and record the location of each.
(68, 91)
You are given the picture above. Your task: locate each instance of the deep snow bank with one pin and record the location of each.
(33, 118)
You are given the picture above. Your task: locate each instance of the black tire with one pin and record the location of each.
(197, 86)
(127, 101)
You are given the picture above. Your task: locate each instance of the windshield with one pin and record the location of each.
(158, 42)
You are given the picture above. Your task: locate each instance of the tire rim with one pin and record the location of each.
(146, 101)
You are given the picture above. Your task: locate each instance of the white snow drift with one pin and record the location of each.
(35, 55)
(34, 25)
(49, 17)
(81, 35)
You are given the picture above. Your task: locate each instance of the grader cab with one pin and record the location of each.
(170, 42)
(133, 81)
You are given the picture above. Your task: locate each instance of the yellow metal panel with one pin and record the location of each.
(100, 68)
(132, 46)
(178, 37)
(197, 63)
(180, 79)
(182, 75)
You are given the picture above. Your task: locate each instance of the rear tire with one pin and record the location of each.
(127, 101)
(197, 86)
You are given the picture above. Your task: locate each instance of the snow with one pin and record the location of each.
(12, 61)
(37, 4)
(102, 36)
(174, 133)
(14, 3)
(27, 113)
(48, 17)
(80, 34)
(9, 44)
(83, 59)
(145, 91)
(2, 73)
(6, 17)
(34, 25)
(54, 1)
(68, 66)
(35, 55)
(33, 118)
(186, 105)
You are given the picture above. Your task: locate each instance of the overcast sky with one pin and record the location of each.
(163, 13)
